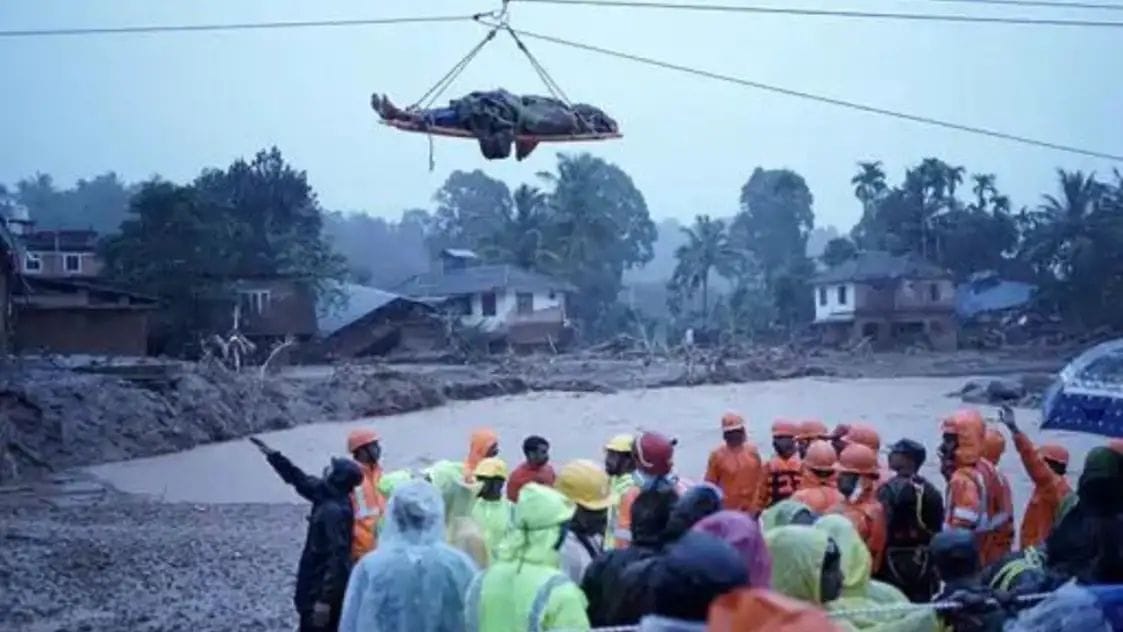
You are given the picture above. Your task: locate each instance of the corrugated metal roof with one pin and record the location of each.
(877, 265)
(361, 300)
(972, 299)
(476, 279)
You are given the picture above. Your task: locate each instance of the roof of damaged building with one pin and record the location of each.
(879, 265)
(991, 294)
(360, 301)
(484, 278)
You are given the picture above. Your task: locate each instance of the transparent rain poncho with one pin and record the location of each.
(413, 581)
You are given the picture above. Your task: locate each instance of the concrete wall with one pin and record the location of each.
(506, 303)
(827, 303)
(53, 264)
(919, 295)
(100, 331)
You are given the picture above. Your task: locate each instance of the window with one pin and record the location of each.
(842, 295)
(487, 303)
(32, 262)
(822, 296)
(72, 263)
(934, 291)
(461, 306)
(524, 302)
(254, 301)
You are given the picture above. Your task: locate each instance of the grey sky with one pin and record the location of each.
(170, 104)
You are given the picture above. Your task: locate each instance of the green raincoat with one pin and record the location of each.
(797, 568)
(495, 518)
(525, 590)
(461, 529)
(781, 514)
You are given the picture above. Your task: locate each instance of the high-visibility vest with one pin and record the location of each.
(368, 505)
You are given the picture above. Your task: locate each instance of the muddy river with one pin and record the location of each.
(577, 425)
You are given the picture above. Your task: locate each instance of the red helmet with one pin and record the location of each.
(655, 453)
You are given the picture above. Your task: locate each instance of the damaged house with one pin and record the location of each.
(505, 303)
(890, 300)
(374, 322)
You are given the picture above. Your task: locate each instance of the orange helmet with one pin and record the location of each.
(359, 437)
(858, 459)
(813, 429)
(820, 456)
(970, 431)
(994, 444)
(784, 428)
(1053, 452)
(863, 434)
(732, 421)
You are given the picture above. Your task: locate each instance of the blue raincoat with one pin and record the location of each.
(413, 581)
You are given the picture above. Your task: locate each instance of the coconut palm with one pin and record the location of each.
(708, 249)
(869, 182)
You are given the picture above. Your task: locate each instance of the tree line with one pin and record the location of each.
(744, 273)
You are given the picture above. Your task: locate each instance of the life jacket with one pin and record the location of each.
(782, 480)
(369, 505)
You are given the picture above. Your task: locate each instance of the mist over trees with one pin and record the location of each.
(742, 272)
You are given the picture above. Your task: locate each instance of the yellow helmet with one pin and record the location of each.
(586, 484)
(620, 443)
(493, 467)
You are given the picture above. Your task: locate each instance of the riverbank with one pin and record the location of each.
(56, 417)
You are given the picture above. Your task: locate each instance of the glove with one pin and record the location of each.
(262, 447)
(321, 615)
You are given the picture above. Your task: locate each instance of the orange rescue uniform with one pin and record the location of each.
(865, 512)
(1049, 489)
(369, 506)
(817, 485)
(738, 472)
(975, 496)
(480, 443)
(780, 480)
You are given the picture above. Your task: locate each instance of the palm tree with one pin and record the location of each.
(520, 239)
(708, 249)
(869, 182)
(1062, 224)
(983, 188)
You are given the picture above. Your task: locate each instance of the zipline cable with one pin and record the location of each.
(853, 105)
(236, 26)
(829, 13)
(1036, 4)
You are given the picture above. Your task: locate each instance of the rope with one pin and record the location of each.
(237, 26)
(937, 606)
(853, 105)
(433, 93)
(914, 17)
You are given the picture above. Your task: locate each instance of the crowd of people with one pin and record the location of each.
(823, 535)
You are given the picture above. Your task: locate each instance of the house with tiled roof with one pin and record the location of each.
(520, 306)
(887, 299)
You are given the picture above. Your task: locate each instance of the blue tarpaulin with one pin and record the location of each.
(1088, 395)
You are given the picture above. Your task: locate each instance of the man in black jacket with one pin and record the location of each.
(914, 513)
(325, 563)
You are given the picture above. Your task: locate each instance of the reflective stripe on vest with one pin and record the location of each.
(541, 600)
(362, 509)
(980, 520)
(472, 603)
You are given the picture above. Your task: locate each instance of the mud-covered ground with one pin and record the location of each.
(123, 564)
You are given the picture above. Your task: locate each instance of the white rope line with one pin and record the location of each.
(937, 606)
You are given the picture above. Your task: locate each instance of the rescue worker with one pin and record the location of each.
(414, 581)
(367, 500)
(482, 444)
(461, 529)
(654, 454)
(868, 436)
(492, 511)
(603, 583)
(735, 467)
(620, 465)
(535, 469)
(817, 485)
(857, 481)
(781, 473)
(956, 557)
(526, 589)
(744, 534)
(974, 495)
(1020, 572)
(695, 571)
(914, 512)
(806, 564)
(1002, 521)
(586, 485)
(1046, 467)
(697, 503)
(960, 453)
(786, 513)
(325, 562)
(810, 431)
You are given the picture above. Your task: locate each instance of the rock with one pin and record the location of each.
(1005, 390)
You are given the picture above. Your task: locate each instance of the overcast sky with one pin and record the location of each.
(170, 104)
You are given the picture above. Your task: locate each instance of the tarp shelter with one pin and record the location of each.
(1088, 395)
